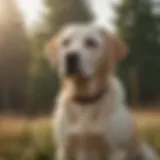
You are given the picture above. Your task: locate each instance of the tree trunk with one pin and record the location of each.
(134, 84)
(5, 99)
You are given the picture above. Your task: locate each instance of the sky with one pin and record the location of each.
(103, 11)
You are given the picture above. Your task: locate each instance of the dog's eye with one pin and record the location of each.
(65, 42)
(91, 43)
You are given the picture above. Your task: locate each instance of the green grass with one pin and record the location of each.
(24, 139)
(149, 126)
(28, 139)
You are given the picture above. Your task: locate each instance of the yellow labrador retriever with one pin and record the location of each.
(91, 120)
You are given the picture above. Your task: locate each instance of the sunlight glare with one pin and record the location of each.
(30, 9)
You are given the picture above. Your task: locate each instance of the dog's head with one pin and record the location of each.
(83, 50)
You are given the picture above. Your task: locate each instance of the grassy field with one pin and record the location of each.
(31, 139)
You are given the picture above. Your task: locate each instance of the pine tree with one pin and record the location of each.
(137, 25)
(62, 12)
(14, 57)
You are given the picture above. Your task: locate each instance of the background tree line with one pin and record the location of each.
(29, 85)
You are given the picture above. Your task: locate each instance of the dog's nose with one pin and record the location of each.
(72, 57)
(72, 63)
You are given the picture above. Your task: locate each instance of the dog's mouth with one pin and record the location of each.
(72, 68)
(75, 71)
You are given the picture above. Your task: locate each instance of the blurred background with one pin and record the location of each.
(28, 86)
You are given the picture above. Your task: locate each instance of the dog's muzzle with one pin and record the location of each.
(72, 63)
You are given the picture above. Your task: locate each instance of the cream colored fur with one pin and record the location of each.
(104, 130)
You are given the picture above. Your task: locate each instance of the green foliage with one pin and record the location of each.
(43, 86)
(62, 12)
(43, 79)
(138, 27)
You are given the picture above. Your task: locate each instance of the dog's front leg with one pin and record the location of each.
(63, 154)
(118, 155)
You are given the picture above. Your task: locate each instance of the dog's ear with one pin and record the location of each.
(119, 48)
(51, 49)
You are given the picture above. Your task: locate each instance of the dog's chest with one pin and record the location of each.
(86, 121)
(86, 132)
